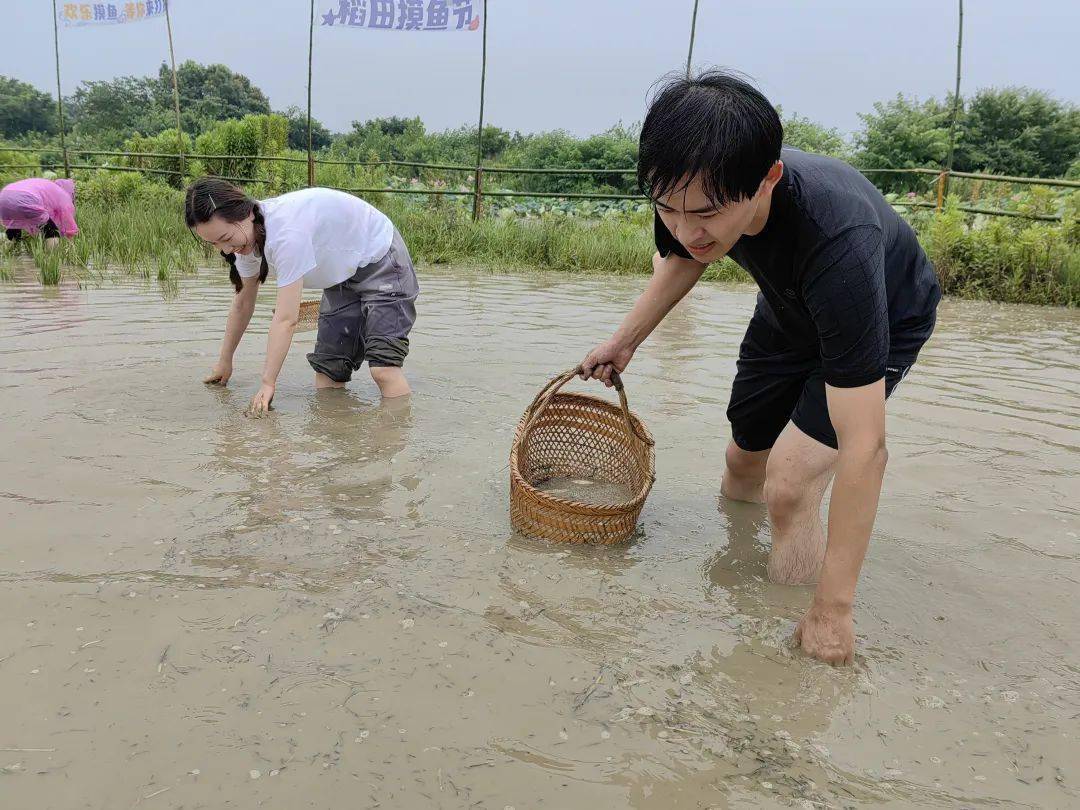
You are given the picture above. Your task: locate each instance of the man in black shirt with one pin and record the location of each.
(847, 298)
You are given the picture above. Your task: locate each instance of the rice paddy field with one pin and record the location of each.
(328, 607)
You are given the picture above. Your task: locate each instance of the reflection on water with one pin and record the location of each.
(205, 609)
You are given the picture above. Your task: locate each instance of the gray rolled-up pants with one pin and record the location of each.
(368, 317)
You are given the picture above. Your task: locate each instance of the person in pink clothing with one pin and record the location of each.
(38, 205)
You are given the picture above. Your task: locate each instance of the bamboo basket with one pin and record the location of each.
(579, 436)
(309, 316)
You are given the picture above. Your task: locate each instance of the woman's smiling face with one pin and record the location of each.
(228, 237)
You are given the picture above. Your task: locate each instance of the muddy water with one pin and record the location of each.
(327, 609)
(587, 490)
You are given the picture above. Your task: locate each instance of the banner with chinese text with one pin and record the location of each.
(75, 14)
(400, 15)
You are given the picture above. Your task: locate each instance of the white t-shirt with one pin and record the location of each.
(320, 235)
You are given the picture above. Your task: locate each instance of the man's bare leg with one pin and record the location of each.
(797, 474)
(744, 474)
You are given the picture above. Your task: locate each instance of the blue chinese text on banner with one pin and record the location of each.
(400, 15)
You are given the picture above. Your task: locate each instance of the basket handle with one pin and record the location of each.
(548, 392)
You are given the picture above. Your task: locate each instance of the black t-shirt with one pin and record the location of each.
(841, 274)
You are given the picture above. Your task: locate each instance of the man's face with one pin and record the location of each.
(706, 231)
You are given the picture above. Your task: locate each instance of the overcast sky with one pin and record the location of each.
(579, 65)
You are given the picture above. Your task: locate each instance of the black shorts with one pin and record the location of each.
(776, 383)
(48, 231)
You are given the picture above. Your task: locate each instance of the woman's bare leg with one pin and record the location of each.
(391, 381)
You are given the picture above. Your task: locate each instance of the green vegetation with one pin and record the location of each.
(1005, 259)
(131, 222)
(127, 226)
(108, 112)
(24, 109)
(131, 226)
(1012, 131)
(7, 265)
(48, 262)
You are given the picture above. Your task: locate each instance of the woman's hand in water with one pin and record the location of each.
(220, 375)
(611, 355)
(260, 403)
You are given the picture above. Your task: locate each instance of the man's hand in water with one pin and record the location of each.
(220, 375)
(827, 633)
(260, 403)
(611, 355)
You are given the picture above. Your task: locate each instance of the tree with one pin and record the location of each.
(167, 142)
(209, 93)
(616, 148)
(459, 145)
(904, 134)
(387, 138)
(1012, 130)
(802, 133)
(110, 111)
(297, 118)
(1019, 131)
(251, 135)
(25, 109)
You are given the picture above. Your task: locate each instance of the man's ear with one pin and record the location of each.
(776, 171)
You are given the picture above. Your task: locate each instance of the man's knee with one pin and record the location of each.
(785, 497)
(743, 464)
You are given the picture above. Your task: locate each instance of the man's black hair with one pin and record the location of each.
(715, 125)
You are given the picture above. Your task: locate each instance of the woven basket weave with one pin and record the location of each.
(579, 436)
(309, 316)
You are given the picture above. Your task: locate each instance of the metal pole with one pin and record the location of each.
(956, 97)
(693, 28)
(480, 127)
(176, 95)
(59, 97)
(310, 52)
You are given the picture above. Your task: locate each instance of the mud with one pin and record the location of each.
(327, 608)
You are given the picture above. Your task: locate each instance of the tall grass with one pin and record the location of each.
(993, 258)
(447, 234)
(48, 261)
(7, 263)
(129, 226)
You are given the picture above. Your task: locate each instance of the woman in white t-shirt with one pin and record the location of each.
(320, 239)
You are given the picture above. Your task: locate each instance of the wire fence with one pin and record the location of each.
(478, 193)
